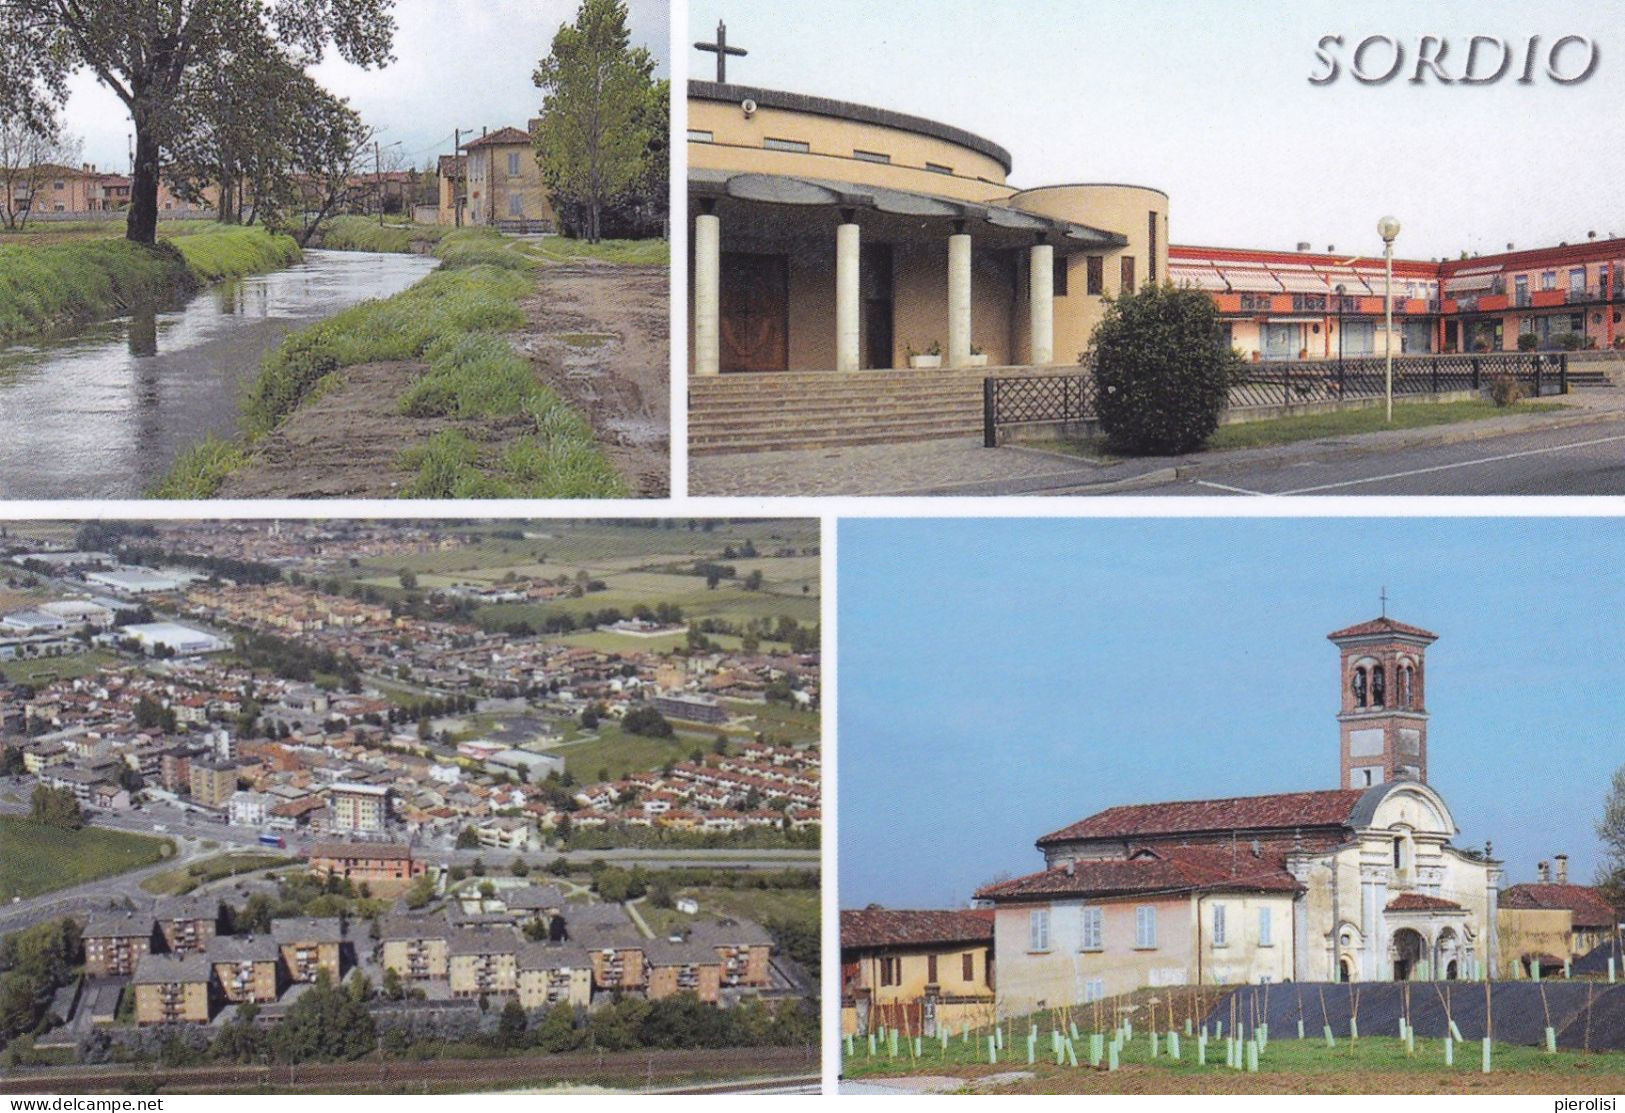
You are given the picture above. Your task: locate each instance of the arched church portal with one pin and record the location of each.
(1409, 951)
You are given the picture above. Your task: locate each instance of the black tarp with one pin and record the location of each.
(1585, 1014)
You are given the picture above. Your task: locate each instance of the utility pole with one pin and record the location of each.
(457, 176)
(378, 180)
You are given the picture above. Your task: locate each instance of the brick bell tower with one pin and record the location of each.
(1383, 721)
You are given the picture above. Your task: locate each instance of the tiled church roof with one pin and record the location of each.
(1166, 870)
(1280, 812)
(1383, 625)
(1421, 902)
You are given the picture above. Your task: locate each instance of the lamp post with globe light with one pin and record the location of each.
(1388, 229)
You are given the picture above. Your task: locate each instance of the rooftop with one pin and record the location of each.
(1287, 811)
(897, 927)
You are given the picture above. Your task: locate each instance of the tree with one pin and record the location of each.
(152, 53)
(325, 1023)
(55, 807)
(468, 839)
(1161, 370)
(1611, 831)
(557, 1032)
(594, 129)
(647, 721)
(29, 155)
(511, 1025)
(409, 580)
(519, 868)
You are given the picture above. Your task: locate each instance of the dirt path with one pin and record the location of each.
(597, 334)
(601, 337)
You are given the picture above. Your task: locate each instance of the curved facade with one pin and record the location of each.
(831, 236)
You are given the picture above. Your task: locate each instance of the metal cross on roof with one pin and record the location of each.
(721, 49)
(1384, 597)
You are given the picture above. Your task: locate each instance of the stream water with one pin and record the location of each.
(104, 411)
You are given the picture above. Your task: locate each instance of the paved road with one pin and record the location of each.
(1580, 460)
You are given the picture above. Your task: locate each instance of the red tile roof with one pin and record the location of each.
(1166, 870)
(1281, 812)
(1590, 909)
(1421, 902)
(1382, 625)
(896, 927)
(500, 137)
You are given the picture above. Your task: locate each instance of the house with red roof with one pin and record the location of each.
(1550, 921)
(916, 969)
(1357, 883)
(503, 185)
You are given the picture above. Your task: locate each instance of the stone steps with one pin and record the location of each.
(816, 410)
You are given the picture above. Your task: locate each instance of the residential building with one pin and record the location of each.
(683, 966)
(1551, 921)
(744, 949)
(212, 782)
(415, 947)
(358, 808)
(549, 975)
(483, 962)
(385, 868)
(916, 970)
(188, 924)
(309, 945)
(247, 968)
(115, 944)
(504, 182)
(174, 989)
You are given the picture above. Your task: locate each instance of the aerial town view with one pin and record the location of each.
(332, 250)
(409, 806)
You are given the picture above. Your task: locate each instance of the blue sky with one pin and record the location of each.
(999, 679)
(1211, 102)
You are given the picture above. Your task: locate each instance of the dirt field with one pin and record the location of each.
(601, 337)
(598, 335)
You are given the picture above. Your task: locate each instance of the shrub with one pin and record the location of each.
(1505, 391)
(1569, 341)
(1161, 370)
(1528, 342)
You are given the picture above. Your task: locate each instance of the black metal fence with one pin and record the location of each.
(1046, 399)
(1301, 382)
(1034, 399)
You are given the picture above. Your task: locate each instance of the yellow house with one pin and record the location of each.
(247, 968)
(483, 962)
(504, 183)
(915, 970)
(551, 974)
(415, 947)
(173, 989)
(310, 945)
(1552, 921)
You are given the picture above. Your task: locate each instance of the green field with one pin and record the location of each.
(759, 905)
(187, 878)
(1374, 1064)
(622, 753)
(43, 669)
(37, 859)
(785, 723)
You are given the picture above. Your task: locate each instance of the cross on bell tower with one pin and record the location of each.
(722, 50)
(1383, 718)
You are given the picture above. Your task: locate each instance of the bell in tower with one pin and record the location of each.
(1383, 719)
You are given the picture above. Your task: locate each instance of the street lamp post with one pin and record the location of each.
(1341, 289)
(1388, 229)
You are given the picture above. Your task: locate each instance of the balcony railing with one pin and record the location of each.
(1522, 299)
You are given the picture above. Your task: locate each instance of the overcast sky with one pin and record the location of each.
(464, 64)
(1211, 102)
(1002, 679)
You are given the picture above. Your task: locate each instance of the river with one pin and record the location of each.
(104, 411)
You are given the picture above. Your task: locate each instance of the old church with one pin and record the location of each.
(1358, 883)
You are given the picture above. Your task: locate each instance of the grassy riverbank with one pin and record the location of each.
(451, 325)
(58, 285)
(363, 233)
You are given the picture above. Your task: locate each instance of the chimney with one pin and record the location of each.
(1543, 872)
(1303, 245)
(1562, 869)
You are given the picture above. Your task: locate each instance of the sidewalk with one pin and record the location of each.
(962, 466)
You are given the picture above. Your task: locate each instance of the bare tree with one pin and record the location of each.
(30, 155)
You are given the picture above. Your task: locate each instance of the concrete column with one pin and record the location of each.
(958, 299)
(1041, 294)
(847, 254)
(707, 294)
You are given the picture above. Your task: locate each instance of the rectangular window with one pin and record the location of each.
(1097, 274)
(1093, 934)
(513, 164)
(1145, 926)
(889, 972)
(1128, 274)
(697, 136)
(1266, 924)
(931, 969)
(1151, 238)
(1038, 929)
(1218, 925)
(799, 146)
(1548, 281)
(938, 168)
(1094, 990)
(1577, 278)
(516, 205)
(968, 962)
(871, 156)
(1060, 276)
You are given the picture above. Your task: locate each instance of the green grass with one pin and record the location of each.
(760, 905)
(1290, 1065)
(60, 284)
(62, 668)
(361, 233)
(199, 471)
(622, 753)
(1407, 415)
(559, 249)
(35, 858)
(184, 880)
